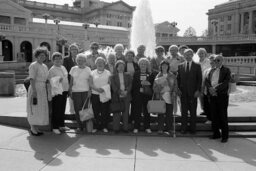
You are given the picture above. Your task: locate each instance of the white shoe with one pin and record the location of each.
(65, 128)
(94, 130)
(56, 131)
(135, 131)
(208, 122)
(148, 131)
(105, 130)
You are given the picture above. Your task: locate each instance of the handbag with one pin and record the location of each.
(117, 106)
(147, 90)
(156, 106)
(86, 114)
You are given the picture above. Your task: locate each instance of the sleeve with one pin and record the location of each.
(199, 78)
(32, 71)
(72, 71)
(225, 83)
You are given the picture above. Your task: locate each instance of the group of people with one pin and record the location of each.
(128, 81)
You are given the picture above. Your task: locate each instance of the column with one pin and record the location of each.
(250, 22)
(236, 24)
(214, 49)
(242, 23)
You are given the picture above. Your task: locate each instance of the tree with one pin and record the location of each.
(190, 32)
(205, 33)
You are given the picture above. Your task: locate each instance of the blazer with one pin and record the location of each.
(135, 66)
(223, 82)
(136, 83)
(191, 82)
(68, 63)
(115, 86)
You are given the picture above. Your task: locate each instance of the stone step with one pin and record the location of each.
(200, 126)
(200, 119)
(247, 83)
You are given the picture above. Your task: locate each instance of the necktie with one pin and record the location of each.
(187, 68)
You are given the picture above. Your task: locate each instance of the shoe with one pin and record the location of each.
(208, 122)
(56, 131)
(94, 130)
(135, 131)
(148, 131)
(34, 133)
(224, 140)
(105, 130)
(65, 128)
(213, 137)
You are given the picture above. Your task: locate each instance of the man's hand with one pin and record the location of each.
(197, 94)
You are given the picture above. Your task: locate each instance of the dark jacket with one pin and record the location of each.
(68, 63)
(136, 83)
(223, 83)
(135, 66)
(115, 86)
(192, 82)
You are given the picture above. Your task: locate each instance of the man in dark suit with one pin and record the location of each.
(189, 83)
(217, 83)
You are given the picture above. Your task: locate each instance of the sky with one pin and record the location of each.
(185, 12)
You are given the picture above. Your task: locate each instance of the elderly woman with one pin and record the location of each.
(99, 82)
(165, 87)
(58, 77)
(119, 50)
(79, 88)
(37, 104)
(130, 66)
(155, 62)
(141, 93)
(121, 84)
(140, 53)
(205, 65)
(93, 55)
(111, 58)
(68, 62)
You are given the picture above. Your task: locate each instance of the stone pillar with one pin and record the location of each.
(250, 31)
(236, 24)
(213, 49)
(242, 23)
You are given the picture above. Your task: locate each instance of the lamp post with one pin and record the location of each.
(62, 42)
(2, 37)
(174, 24)
(46, 17)
(86, 38)
(97, 23)
(57, 21)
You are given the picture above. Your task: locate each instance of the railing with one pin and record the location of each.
(30, 29)
(46, 5)
(242, 65)
(224, 38)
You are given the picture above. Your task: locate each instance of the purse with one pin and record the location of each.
(147, 90)
(86, 114)
(117, 106)
(156, 106)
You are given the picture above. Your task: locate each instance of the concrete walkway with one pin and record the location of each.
(20, 151)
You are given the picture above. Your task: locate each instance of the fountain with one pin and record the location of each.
(143, 29)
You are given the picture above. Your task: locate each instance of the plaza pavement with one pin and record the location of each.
(22, 152)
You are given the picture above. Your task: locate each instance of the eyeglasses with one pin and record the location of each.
(217, 60)
(94, 48)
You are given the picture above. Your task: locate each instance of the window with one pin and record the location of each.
(221, 19)
(164, 35)
(129, 25)
(229, 26)
(108, 15)
(170, 35)
(119, 24)
(158, 34)
(108, 23)
(222, 28)
(20, 21)
(5, 19)
(229, 18)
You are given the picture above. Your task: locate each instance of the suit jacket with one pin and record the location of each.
(223, 82)
(68, 63)
(189, 82)
(136, 83)
(115, 86)
(135, 65)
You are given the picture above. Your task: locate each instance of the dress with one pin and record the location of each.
(38, 114)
